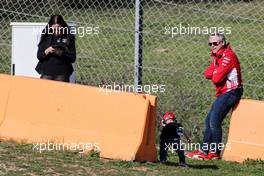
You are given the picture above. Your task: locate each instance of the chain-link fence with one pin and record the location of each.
(175, 50)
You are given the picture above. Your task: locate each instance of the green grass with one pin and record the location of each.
(20, 159)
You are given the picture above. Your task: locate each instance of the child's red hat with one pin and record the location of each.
(168, 115)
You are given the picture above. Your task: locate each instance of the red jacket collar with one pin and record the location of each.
(221, 51)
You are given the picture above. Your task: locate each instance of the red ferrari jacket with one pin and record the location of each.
(224, 71)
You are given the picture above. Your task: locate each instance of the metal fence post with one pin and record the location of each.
(138, 44)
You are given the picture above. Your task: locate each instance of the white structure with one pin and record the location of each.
(25, 39)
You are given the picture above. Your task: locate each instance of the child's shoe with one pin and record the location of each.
(184, 165)
(163, 161)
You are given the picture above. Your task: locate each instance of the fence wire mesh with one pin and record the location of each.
(175, 51)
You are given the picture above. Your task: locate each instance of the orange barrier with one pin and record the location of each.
(147, 148)
(119, 125)
(246, 131)
(4, 94)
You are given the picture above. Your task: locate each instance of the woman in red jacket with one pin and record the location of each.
(224, 72)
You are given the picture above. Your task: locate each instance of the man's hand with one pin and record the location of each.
(49, 50)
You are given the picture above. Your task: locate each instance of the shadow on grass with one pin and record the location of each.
(203, 166)
(194, 166)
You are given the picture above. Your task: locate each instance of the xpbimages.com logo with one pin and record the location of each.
(147, 89)
(80, 147)
(81, 31)
(174, 146)
(181, 29)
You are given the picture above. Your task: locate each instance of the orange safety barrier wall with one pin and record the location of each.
(120, 125)
(4, 94)
(245, 139)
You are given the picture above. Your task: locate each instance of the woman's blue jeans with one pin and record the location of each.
(212, 140)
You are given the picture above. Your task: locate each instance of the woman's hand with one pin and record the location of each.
(58, 52)
(49, 50)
